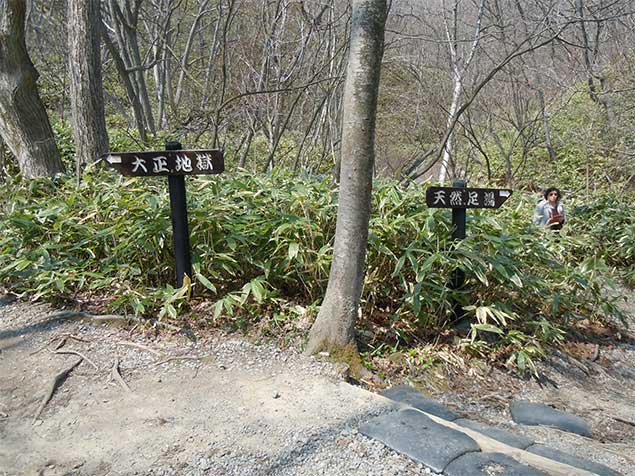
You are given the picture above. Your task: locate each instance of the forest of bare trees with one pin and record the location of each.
(470, 88)
(521, 94)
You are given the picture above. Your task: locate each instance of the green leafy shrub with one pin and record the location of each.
(263, 245)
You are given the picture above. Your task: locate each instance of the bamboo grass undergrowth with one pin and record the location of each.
(261, 250)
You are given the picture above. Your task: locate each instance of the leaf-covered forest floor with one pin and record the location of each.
(149, 399)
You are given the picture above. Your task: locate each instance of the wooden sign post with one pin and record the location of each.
(459, 198)
(174, 163)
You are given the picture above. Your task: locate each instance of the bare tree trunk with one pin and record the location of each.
(125, 19)
(447, 150)
(188, 48)
(24, 124)
(545, 127)
(3, 162)
(87, 101)
(125, 79)
(590, 52)
(460, 65)
(335, 324)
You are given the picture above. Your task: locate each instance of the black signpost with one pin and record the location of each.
(459, 198)
(175, 164)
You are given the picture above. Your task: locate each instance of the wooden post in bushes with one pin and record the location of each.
(180, 230)
(459, 198)
(459, 219)
(174, 163)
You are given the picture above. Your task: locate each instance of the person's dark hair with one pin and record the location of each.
(552, 189)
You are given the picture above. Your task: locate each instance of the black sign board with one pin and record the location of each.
(168, 162)
(175, 163)
(457, 197)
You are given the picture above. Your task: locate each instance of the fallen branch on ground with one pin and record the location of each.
(182, 357)
(139, 346)
(117, 376)
(57, 380)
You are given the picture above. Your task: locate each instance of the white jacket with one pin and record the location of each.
(544, 212)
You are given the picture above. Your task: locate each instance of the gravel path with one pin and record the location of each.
(239, 409)
(223, 406)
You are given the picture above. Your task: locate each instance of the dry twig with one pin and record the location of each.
(182, 357)
(622, 420)
(57, 380)
(117, 376)
(139, 346)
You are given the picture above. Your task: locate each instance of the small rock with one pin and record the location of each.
(276, 394)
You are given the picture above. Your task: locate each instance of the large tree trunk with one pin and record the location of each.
(87, 101)
(335, 324)
(24, 124)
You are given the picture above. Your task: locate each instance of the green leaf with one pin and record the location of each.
(293, 250)
(205, 282)
(257, 289)
(399, 265)
(488, 328)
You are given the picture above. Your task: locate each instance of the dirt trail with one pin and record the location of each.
(219, 407)
(225, 406)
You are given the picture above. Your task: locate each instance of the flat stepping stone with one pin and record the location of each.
(489, 464)
(412, 433)
(529, 413)
(6, 299)
(414, 398)
(511, 439)
(572, 460)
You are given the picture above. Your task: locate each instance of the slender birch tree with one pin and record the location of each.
(460, 62)
(335, 324)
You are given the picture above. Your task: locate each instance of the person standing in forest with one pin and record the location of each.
(550, 211)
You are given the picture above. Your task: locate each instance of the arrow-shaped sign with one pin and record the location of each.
(113, 159)
(461, 197)
(166, 162)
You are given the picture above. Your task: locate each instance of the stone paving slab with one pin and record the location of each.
(511, 439)
(412, 433)
(6, 299)
(572, 460)
(529, 413)
(488, 464)
(413, 397)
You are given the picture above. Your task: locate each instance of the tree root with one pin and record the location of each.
(596, 353)
(117, 376)
(60, 344)
(73, 352)
(57, 380)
